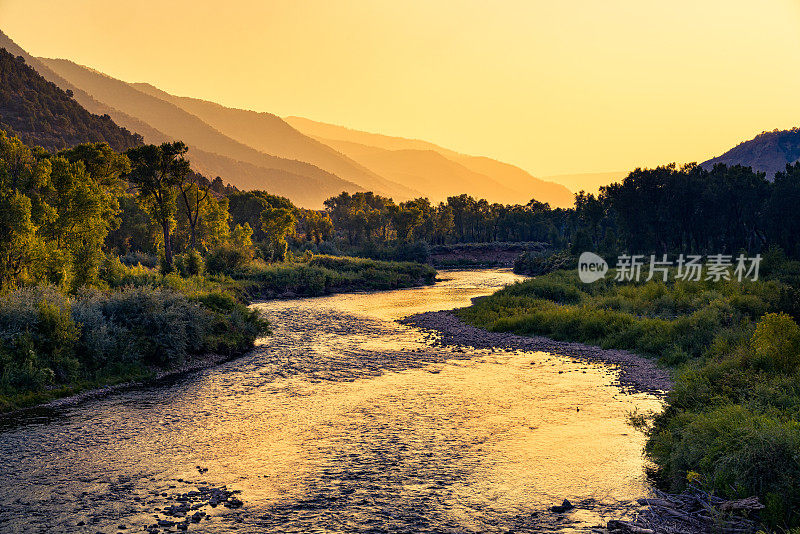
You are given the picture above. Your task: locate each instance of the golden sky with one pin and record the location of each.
(553, 86)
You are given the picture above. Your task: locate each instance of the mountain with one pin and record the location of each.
(270, 134)
(427, 170)
(264, 151)
(294, 179)
(404, 160)
(768, 152)
(39, 113)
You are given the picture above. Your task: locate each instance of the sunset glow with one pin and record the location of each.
(557, 88)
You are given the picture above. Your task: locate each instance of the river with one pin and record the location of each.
(343, 420)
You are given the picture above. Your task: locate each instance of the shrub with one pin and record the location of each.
(227, 259)
(37, 339)
(738, 452)
(132, 259)
(156, 326)
(190, 264)
(776, 344)
(536, 263)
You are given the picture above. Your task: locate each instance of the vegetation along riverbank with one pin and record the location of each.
(731, 425)
(118, 267)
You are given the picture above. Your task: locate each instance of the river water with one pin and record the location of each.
(342, 421)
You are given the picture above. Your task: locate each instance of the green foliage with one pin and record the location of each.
(157, 172)
(228, 258)
(537, 263)
(327, 274)
(277, 224)
(51, 344)
(776, 344)
(190, 264)
(37, 339)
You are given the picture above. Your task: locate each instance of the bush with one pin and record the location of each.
(776, 344)
(37, 339)
(153, 325)
(738, 453)
(132, 259)
(327, 274)
(190, 264)
(535, 263)
(227, 259)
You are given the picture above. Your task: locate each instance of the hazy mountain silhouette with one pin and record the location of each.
(768, 152)
(40, 113)
(427, 170)
(281, 176)
(589, 182)
(270, 134)
(260, 150)
(404, 160)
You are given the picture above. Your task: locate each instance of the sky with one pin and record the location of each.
(560, 87)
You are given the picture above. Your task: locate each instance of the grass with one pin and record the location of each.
(324, 275)
(732, 421)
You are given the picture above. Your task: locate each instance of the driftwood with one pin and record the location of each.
(693, 512)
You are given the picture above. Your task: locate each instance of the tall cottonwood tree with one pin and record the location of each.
(157, 172)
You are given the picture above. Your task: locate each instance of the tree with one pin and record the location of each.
(157, 171)
(23, 175)
(195, 195)
(316, 225)
(277, 223)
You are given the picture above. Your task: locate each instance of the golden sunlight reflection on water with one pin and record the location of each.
(345, 421)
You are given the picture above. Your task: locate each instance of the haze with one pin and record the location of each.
(554, 87)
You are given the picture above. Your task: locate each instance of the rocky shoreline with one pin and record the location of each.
(636, 373)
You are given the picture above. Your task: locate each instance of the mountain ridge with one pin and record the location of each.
(126, 102)
(768, 152)
(514, 179)
(268, 133)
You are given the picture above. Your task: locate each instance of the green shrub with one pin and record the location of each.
(738, 452)
(153, 325)
(776, 344)
(37, 339)
(190, 264)
(227, 259)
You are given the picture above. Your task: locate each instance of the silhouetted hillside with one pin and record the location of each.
(403, 160)
(40, 113)
(767, 152)
(270, 134)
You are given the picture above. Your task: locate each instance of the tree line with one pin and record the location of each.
(62, 214)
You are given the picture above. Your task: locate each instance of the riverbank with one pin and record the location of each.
(730, 425)
(636, 373)
(691, 512)
(327, 275)
(74, 396)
